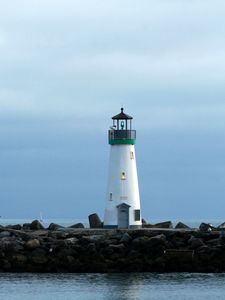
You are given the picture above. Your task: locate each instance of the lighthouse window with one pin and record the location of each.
(131, 155)
(137, 215)
(110, 196)
(123, 176)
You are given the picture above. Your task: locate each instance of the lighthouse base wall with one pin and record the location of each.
(122, 208)
(117, 227)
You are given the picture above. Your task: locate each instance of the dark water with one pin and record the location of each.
(112, 286)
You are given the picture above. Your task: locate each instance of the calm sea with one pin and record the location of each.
(112, 286)
(133, 286)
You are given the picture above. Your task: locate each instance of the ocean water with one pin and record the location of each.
(182, 286)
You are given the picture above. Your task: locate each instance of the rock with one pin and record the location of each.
(140, 242)
(147, 225)
(72, 241)
(221, 226)
(119, 247)
(54, 226)
(195, 242)
(15, 227)
(19, 259)
(4, 234)
(214, 242)
(154, 241)
(78, 225)
(36, 225)
(26, 226)
(205, 227)
(126, 238)
(6, 265)
(39, 256)
(11, 245)
(91, 248)
(33, 244)
(95, 221)
(167, 224)
(181, 225)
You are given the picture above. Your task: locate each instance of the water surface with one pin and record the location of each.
(112, 286)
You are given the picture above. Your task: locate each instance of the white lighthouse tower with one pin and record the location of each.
(123, 201)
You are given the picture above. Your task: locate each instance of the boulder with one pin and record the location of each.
(26, 226)
(54, 226)
(39, 257)
(78, 225)
(119, 247)
(33, 244)
(205, 227)
(36, 225)
(214, 242)
(15, 227)
(221, 226)
(140, 242)
(167, 224)
(126, 238)
(95, 221)
(181, 225)
(19, 259)
(71, 241)
(5, 234)
(157, 240)
(195, 242)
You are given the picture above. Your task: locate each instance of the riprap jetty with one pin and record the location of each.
(34, 248)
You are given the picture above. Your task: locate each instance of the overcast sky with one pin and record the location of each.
(67, 66)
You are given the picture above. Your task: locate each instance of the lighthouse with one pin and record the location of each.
(122, 208)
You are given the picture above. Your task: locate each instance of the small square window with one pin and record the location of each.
(137, 215)
(123, 176)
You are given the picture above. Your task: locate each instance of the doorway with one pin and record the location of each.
(123, 215)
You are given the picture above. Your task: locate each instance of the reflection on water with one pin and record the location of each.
(183, 286)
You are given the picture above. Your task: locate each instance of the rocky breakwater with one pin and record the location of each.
(58, 249)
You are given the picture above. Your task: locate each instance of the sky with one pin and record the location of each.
(67, 66)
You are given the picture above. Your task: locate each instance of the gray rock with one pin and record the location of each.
(154, 241)
(15, 227)
(221, 226)
(140, 241)
(195, 242)
(71, 241)
(95, 221)
(181, 225)
(78, 225)
(117, 247)
(126, 238)
(10, 244)
(36, 225)
(205, 227)
(54, 226)
(167, 224)
(39, 257)
(19, 259)
(26, 226)
(33, 244)
(4, 234)
(214, 242)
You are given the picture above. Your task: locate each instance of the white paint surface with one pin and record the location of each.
(122, 159)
